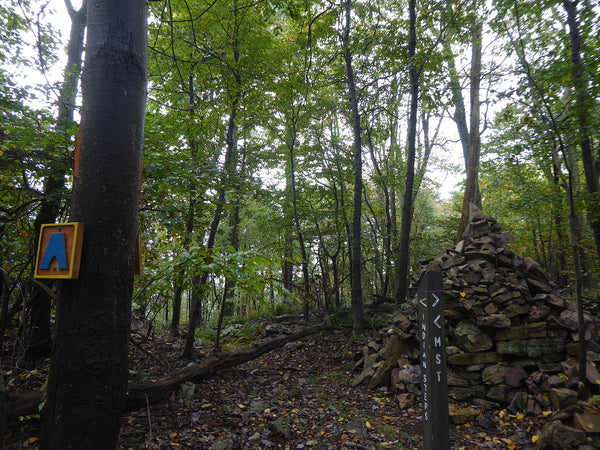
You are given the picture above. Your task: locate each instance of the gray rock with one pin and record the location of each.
(187, 390)
(495, 374)
(557, 435)
(258, 407)
(472, 338)
(485, 422)
(518, 403)
(279, 427)
(222, 445)
(359, 427)
(515, 376)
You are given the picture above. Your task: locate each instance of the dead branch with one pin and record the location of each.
(139, 395)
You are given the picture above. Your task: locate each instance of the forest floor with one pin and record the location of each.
(296, 397)
(300, 397)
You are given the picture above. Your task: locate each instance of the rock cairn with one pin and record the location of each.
(511, 337)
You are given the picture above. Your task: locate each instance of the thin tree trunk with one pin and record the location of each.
(88, 373)
(428, 147)
(226, 309)
(590, 170)
(585, 142)
(39, 339)
(472, 185)
(407, 199)
(180, 276)
(228, 171)
(559, 250)
(356, 256)
(385, 266)
(288, 245)
(575, 239)
(201, 280)
(299, 235)
(460, 115)
(189, 222)
(579, 219)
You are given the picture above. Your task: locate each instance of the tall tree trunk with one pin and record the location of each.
(88, 373)
(590, 170)
(385, 264)
(554, 175)
(575, 239)
(356, 256)
(407, 198)
(579, 219)
(226, 309)
(299, 235)
(583, 109)
(234, 240)
(427, 148)
(228, 168)
(39, 339)
(189, 221)
(393, 285)
(340, 210)
(460, 115)
(472, 183)
(227, 173)
(287, 266)
(180, 276)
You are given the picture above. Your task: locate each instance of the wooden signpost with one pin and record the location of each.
(430, 315)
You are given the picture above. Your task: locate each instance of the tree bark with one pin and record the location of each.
(88, 373)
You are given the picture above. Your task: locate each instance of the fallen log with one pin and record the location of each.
(153, 392)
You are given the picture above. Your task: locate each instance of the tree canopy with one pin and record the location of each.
(260, 115)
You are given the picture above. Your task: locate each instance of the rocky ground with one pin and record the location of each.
(301, 397)
(296, 397)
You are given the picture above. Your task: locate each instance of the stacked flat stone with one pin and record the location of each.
(511, 337)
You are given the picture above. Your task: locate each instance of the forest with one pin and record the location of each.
(239, 160)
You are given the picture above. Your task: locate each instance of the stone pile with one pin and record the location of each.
(511, 337)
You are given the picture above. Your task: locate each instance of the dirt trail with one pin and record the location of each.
(296, 397)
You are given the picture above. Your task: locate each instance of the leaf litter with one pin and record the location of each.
(300, 396)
